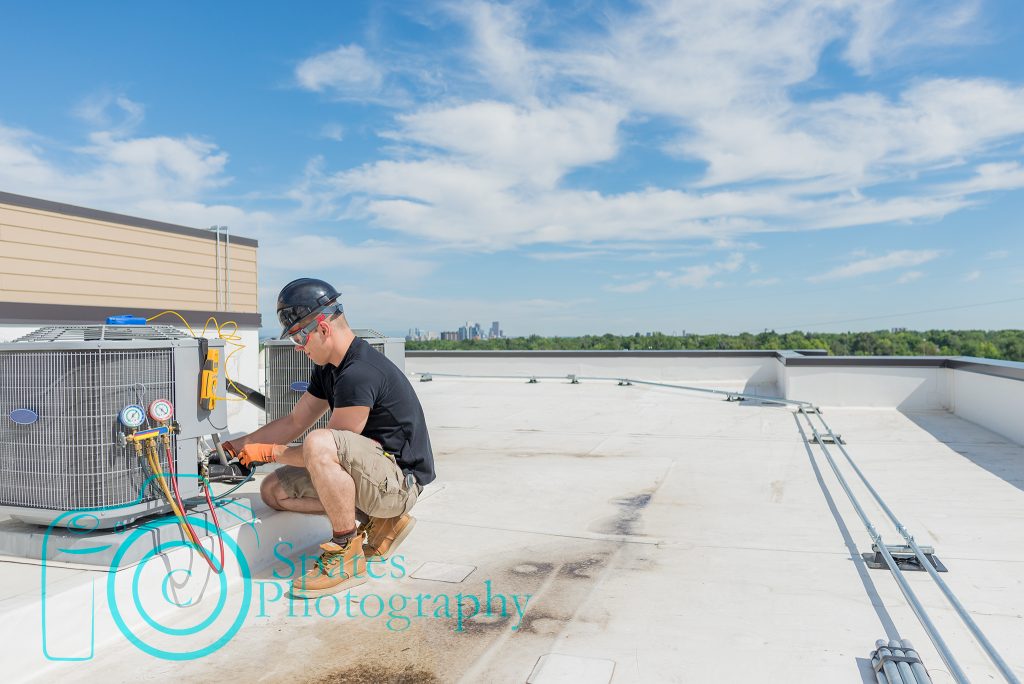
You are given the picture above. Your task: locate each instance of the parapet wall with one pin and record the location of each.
(985, 391)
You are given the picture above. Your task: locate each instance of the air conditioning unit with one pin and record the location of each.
(63, 446)
(287, 372)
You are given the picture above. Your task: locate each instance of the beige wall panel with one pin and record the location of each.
(54, 226)
(243, 258)
(44, 286)
(50, 258)
(46, 257)
(68, 276)
(125, 235)
(113, 301)
(41, 289)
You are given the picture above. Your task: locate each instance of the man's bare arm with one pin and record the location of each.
(285, 429)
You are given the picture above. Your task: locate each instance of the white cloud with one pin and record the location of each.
(158, 177)
(700, 275)
(111, 112)
(457, 204)
(631, 288)
(972, 276)
(182, 166)
(533, 145)
(492, 173)
(909, 277)
(885, 30)
(333, 131)
(861, 139)
(568, 256)
(498, 47)
(326, 253)
(345, 71)
(896, 259)
(22, 166)
(764, 282)
(111, 169)
(989, 177)
(998, 254)
(695, 276)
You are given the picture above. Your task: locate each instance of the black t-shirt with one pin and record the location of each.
(367, 378)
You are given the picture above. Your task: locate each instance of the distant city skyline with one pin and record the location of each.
(468, 331)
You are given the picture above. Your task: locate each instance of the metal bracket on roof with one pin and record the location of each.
(888, 655)
(905, 558)
(426, 377)
(532, 380)
(625, 383)
(826, 439)
(734, 397)
(573, 380)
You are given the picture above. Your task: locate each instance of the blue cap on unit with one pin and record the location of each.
(125, 319)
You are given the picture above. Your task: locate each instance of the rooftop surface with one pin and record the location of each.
(652, 535)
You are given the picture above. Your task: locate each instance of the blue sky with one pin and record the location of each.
(561, 167)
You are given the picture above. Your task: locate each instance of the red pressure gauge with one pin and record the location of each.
(161, 410)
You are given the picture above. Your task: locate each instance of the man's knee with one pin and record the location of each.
(271, 491)
(320, 447)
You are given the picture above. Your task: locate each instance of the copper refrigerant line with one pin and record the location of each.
(895, 661)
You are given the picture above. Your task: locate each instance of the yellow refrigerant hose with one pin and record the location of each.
(154, 463)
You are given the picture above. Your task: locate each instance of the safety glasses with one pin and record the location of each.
(301, 336)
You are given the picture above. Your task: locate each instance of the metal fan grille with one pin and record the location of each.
(98, 333)
(71, 457)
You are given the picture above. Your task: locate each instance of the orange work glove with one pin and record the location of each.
(230, 449)
(257, 453)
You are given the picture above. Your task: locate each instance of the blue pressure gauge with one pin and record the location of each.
(132, 416)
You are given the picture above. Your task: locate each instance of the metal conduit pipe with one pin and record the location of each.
(922, 615)
(990, 650)
(492, 377)
(756, 397)
(889, 673)
(917, 668)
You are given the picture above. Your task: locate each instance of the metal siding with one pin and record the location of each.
(57, 259)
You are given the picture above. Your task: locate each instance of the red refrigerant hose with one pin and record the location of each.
(184, 518)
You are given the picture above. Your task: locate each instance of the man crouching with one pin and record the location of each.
(374, 457)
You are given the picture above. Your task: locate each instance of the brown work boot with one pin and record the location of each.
(383, 535)
(337, 568)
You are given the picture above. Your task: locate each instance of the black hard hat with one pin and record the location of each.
(304, 298)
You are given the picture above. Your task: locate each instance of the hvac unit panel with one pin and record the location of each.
(70, 457)
(287, 372)
(61, 445)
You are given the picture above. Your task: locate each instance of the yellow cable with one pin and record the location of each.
(232, 338)
(164, 313)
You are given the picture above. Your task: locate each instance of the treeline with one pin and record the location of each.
(991, 344)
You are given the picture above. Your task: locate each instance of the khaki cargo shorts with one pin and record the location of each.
(380, 484)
